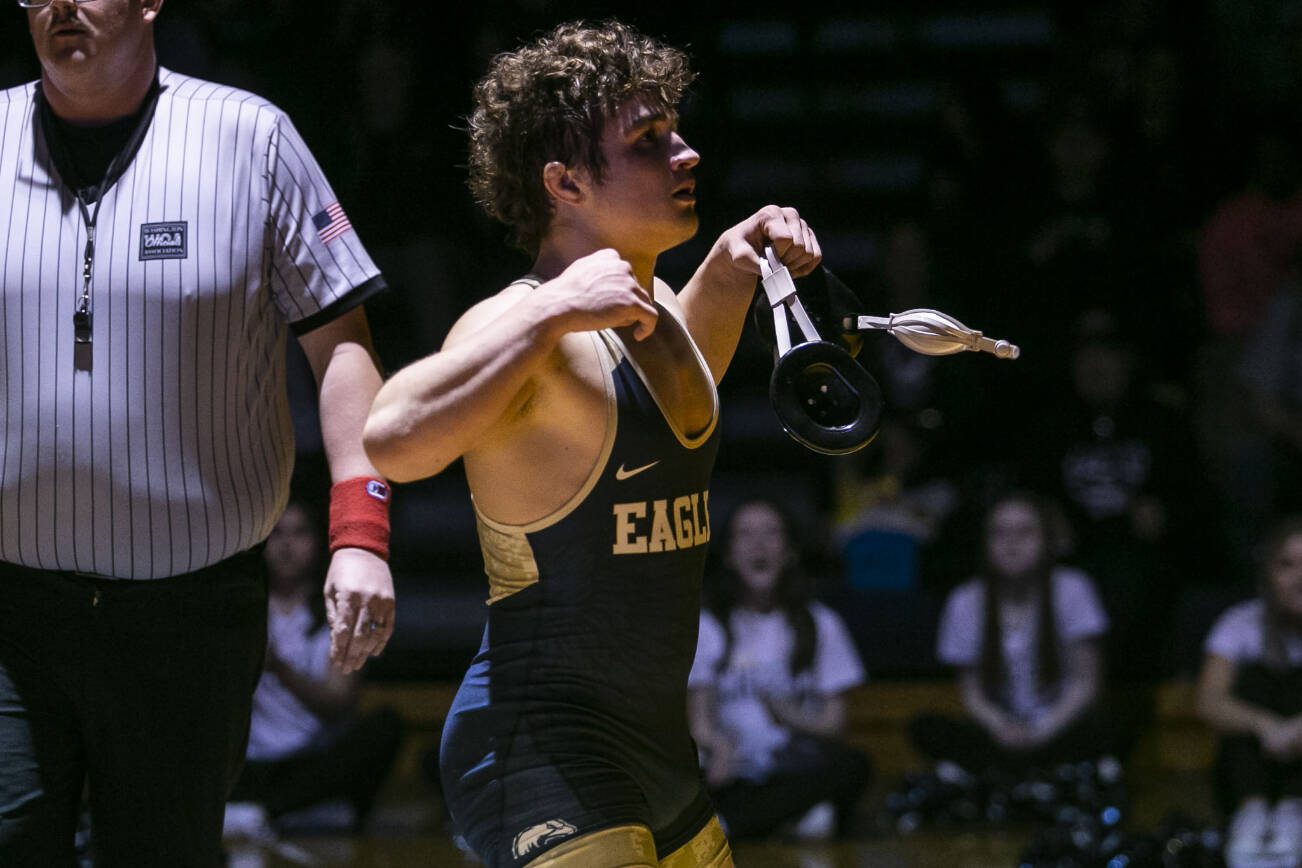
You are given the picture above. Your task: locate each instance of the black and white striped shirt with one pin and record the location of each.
(173, 451)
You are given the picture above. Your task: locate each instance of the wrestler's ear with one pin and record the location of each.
(564, 185)
(149, 10)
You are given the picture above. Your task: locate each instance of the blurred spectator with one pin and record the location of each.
(1026, 636)
(1260, 439)
(767, 689)
(891, 503)
(308, 745)
(934, 393)
(1120, 458)
(1250, 691)
(1250, 251)
(1250, 246)
(1272, 372)
(891, 499)
(1077, 223)
(1071, 248)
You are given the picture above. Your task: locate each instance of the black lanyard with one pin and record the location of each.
(81, 317)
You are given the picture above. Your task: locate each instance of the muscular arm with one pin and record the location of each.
(716, 299)
(435, 410)
(438, 409)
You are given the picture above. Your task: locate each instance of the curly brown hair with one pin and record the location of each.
(549, 100)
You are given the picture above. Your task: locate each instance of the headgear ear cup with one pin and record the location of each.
(824, 399)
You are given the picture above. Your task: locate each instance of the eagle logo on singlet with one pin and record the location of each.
(540, 836)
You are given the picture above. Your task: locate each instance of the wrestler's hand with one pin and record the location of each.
(359, 607)
(793, 242)
(595, 292)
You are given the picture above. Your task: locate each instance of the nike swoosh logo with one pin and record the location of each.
(621, 474)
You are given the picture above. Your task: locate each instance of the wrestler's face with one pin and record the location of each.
(758, 548)
(1015, 540)
(1285, 572)
(69, 36)
(292, 549)
(646, 199)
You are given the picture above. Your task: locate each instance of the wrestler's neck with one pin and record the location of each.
(99, 93)
(559, 249)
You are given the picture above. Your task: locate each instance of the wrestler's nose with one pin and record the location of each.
(683, 155)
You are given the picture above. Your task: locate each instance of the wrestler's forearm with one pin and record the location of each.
(715, 302)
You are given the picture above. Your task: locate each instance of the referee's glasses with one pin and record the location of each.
(41, 4)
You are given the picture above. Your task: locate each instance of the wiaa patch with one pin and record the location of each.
(163, 240)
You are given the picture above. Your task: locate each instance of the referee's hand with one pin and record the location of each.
(359, 607)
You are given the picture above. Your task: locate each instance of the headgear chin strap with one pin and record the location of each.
(824, 399)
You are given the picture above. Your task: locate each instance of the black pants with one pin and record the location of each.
(353, 766)
(140, 689)
(1243, 769)
(967, 744)
(811, 770)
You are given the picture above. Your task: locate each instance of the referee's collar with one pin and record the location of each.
(62, 157)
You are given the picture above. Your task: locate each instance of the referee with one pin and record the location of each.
(159, 237)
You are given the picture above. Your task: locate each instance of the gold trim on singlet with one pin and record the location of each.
(632, 846)
(707, 849)
(688, 442)
(508, 560)
(508, 557)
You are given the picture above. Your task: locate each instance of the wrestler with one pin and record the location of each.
(582, 399)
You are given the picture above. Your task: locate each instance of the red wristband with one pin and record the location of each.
(359, 515)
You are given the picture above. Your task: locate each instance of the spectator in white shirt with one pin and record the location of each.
(767, 688)
(1026, 637)
(1250, 691)
(307, 743)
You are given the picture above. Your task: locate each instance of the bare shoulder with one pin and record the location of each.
(485, 313)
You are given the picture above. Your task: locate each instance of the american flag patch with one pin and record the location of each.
(331, 223)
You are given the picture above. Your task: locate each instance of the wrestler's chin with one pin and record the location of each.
(687, 226)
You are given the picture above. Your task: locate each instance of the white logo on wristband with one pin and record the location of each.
(377, 489)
